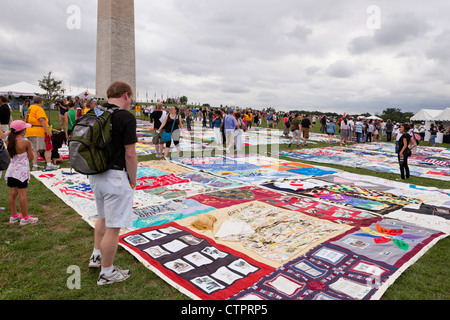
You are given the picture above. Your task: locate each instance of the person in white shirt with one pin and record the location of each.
(358, 130)
(395, 130)
(164, 114)
(422, 130)
(370, 131)
(351, 126)
(345, 129)
(413, 142)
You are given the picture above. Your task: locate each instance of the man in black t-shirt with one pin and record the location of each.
(323, 124)
(306, 127)
(5, 113)
(113, 189)
(157, 136)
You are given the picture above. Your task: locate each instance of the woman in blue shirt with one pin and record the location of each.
(331, 130)
(216, 125)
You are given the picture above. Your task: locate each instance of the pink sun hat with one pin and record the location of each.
(19, 125)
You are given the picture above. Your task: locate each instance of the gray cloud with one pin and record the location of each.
(260, 53)
(341, 69)
(395, 31)
(400, 28)
(439, 49)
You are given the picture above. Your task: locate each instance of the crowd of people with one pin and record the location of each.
(34, 138)
(228, 125)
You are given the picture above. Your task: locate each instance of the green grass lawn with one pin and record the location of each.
(34, 260)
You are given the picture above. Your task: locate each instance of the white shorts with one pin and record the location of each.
(113, 197)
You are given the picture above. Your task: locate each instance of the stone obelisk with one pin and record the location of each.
(116, 54)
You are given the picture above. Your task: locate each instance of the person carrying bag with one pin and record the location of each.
(174, 134)
(166, 136)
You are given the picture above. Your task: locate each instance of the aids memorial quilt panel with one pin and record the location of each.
(425, 194)
(235, 196)
(159, 214)
(211, 182)
(155, 187)
(335, 196)
(371, 160)
(357, 265)
(360, 201)
(425, 215)
(424, 151)
(244, 172)
(322, 210)
(72, 188)
(145, 147)
(193, 162)
(193, 263)
(326, 272)
(275, 233)
(387, 240)
(252, 169)
(165, 166)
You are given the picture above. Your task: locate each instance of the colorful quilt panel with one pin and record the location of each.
(341, 215)
(234, 196)
(387, 240)
(200, 267)
(326, 272)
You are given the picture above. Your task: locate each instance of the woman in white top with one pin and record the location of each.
(345, 129)
(18, 173)
(3, 136)
(238, 132)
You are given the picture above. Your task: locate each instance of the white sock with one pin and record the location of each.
(107, 271)
(48, 163)
(96, 252)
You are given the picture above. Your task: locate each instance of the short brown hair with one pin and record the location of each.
(118, 88)
(37, 100)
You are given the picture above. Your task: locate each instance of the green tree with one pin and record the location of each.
(53, 88)
(396, 114)
(183, 100)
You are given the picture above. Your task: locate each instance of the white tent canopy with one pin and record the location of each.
(430, 116)
(21, 89)
(373, 118)
(426, 115)
(443, 116)
(88, 93)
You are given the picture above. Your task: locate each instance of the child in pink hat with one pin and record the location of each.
(18, 173)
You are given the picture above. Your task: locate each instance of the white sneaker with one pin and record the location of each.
(118, 275)
(52, 166)
(30, 220)
(37, 167)
(15, 219)
(95, 261)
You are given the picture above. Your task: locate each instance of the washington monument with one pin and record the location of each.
(116, 54)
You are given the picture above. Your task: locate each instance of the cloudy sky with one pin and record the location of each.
(328, 55)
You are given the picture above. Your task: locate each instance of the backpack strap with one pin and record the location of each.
(173, 125)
